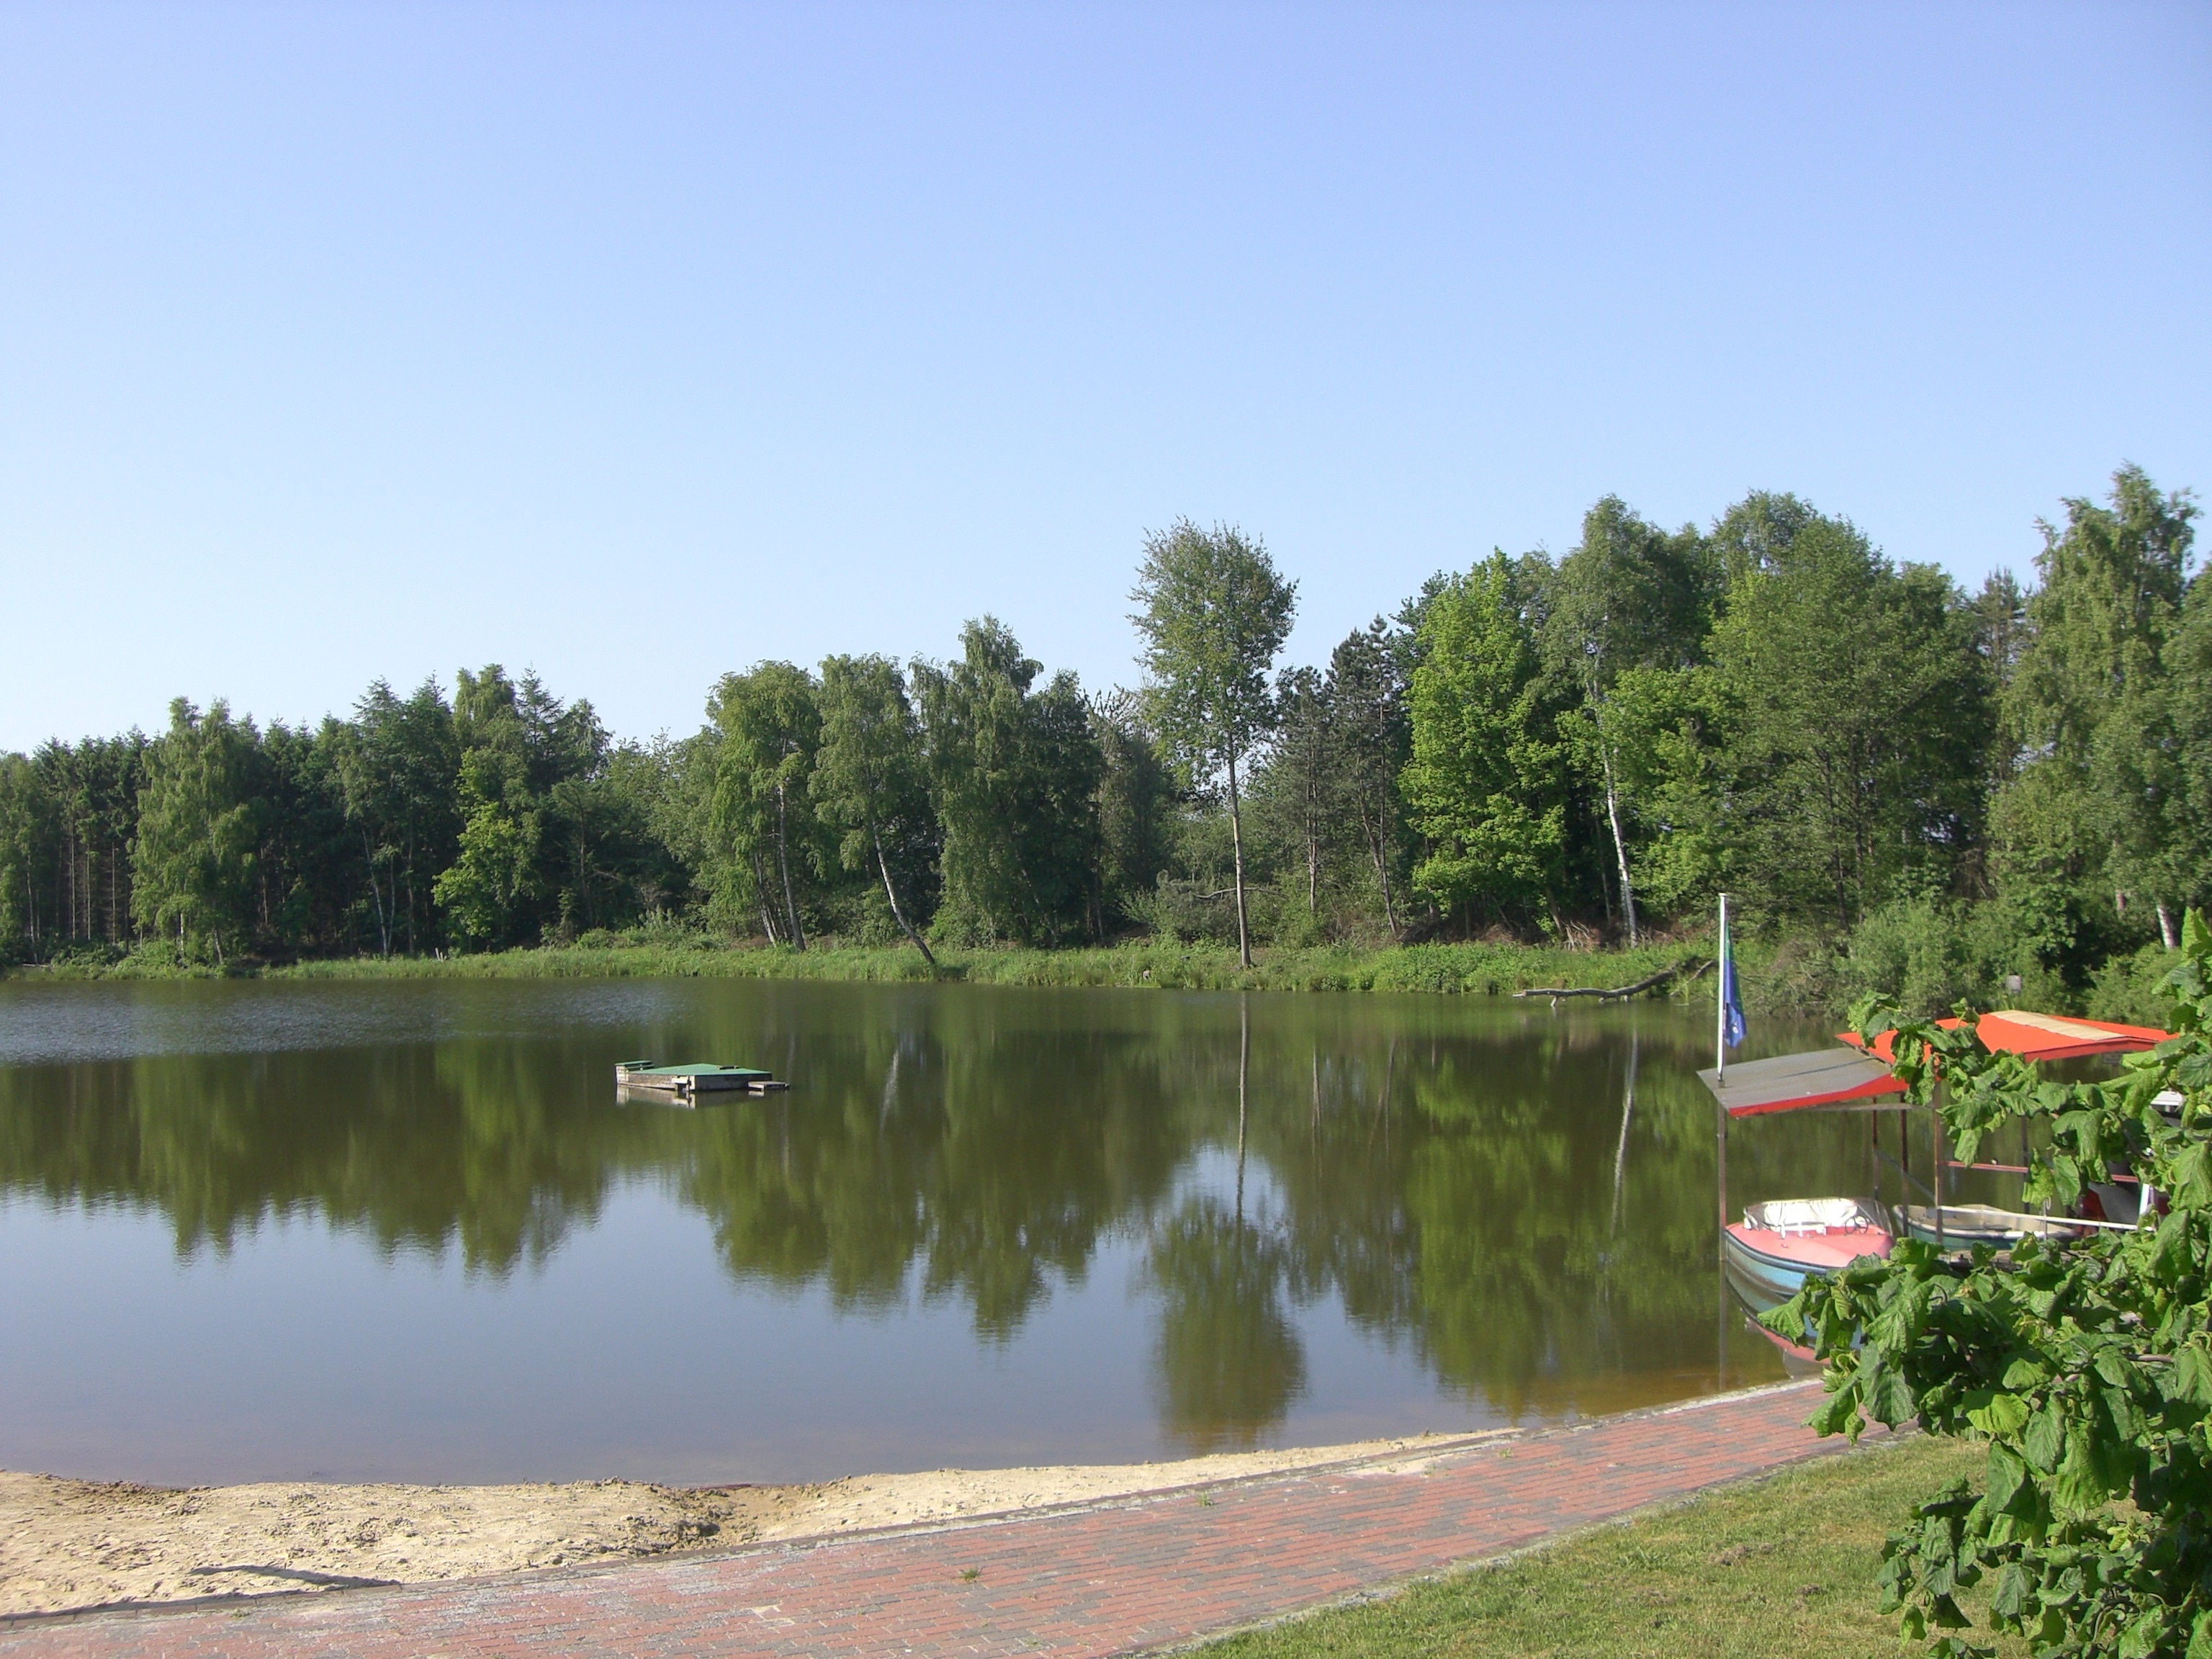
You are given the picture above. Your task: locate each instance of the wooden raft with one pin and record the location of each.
(685, 1084)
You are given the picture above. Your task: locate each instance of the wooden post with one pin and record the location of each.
(1720, 1160)
(1935, 1169)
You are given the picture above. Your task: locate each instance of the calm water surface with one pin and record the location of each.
(406, 1232)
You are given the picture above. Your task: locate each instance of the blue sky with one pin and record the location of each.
(638, 342)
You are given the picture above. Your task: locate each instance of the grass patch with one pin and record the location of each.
(1495, 969)
(1785, 1564)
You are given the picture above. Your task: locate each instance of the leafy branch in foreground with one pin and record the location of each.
(2086, 1366)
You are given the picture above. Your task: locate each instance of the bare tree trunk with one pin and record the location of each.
(2166, 929)
(1236, 848)
(1620, 846)
(783, 865)
(1375, 832)
(1313, 867)
(760, 897)
(376, 894)
(883, 869)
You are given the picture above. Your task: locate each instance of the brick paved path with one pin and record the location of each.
(1094, 1579)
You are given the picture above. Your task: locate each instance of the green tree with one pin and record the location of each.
(1484, 783)
(1215, 613)
(308, 867)
(25, 838)
(1135, 795)
(870, 782)
(2099, 804)
(1301, 780)
(399, 763)
(1670, 730)
(1861, 718)
(1366, 694)
(770, 724)
(1630, 596)
(495, 873)
(193, 861)
(2189, 675)
(1014, 774)
(550, 793)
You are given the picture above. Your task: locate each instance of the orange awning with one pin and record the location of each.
(2040, 1037)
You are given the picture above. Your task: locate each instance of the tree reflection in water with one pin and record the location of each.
(1521, 1200)
(1228, 1362)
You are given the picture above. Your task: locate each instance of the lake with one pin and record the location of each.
(406, 1231)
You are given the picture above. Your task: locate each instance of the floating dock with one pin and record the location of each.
(684, 1085)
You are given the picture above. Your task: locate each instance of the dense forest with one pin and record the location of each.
(1919, 788)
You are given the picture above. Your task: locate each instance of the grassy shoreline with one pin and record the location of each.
(1481, 969)
(1785, 1564)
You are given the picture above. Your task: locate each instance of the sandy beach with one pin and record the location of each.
(69, 1544)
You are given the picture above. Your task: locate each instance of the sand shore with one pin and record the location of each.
(74, 1544)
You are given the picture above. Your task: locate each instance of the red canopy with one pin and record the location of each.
(2040, 1037)
(1860, 1075)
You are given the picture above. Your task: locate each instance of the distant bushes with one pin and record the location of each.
(1927, 955)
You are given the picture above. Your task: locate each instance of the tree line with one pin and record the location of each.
(2015, 779)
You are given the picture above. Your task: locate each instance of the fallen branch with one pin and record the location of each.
(1651, 981)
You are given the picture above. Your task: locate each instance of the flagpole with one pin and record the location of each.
(1720, 1070)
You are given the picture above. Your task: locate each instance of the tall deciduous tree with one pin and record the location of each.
(1135, 793)
(770, 723)
(2099, 801)
(1302, 772)
(1366, 694)
(1485, 782)
(1860, 716)
(399, 763)
(1630, 596)
(193, 861)
(1215, 613)
(1014, 774)
(869, 784)
(26, 844)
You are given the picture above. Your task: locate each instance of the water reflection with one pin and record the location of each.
(1331, 1214)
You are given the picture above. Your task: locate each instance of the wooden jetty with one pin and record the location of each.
(684, 1085)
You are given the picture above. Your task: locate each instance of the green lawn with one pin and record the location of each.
(1784, 1565)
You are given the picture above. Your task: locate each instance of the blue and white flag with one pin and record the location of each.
(1731, 1005)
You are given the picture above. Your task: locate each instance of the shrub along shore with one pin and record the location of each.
(1497, 969)
(1793, 977)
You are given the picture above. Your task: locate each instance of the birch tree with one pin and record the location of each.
(192, 864)
(869, 784)
(771, 725)
(1630, 596)
(1215, 613)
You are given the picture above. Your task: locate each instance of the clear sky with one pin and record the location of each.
(638, 342)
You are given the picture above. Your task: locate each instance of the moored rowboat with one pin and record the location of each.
(1781, 1241)
(1965, 1225)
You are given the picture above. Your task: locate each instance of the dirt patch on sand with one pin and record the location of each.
(72, 1544)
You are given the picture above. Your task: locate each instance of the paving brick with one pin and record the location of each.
(1082, 1583)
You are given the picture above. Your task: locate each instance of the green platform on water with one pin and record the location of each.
(688, 1081)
